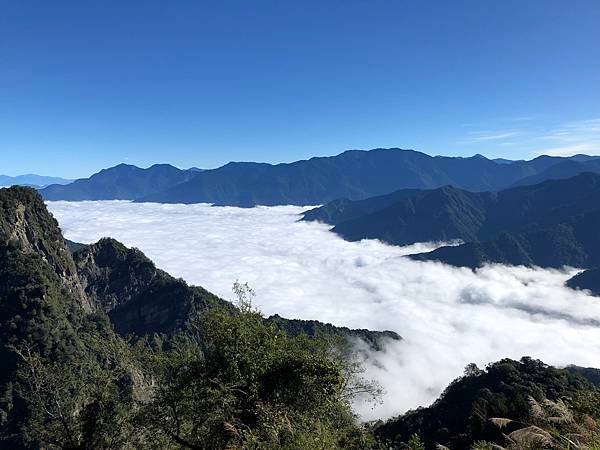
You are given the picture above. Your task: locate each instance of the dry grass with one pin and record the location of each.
(553, 426)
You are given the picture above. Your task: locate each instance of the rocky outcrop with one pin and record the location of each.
(25, 222)
(138, 298)
(141, 299)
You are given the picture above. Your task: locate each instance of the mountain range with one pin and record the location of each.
(550, 224)
(353, 175)
(540, 212)
(122, 182)
(564, 169)
(32, 180)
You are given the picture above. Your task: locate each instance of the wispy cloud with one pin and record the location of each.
(523, 118)
(570, 150)
(581, 136)
(485, 136)
(563, 139)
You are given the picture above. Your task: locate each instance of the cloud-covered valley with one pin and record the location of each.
(447, 316)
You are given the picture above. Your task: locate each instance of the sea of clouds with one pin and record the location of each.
(447, 316)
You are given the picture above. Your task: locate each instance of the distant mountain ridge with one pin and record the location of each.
(572, 243)
(564, 169)
(408, 216)
(413, 215)
(550, 224)
(354, 174)
(122, 182)
(554, 225)
(31, 180)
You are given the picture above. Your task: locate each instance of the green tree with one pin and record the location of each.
(234, 381)
(81, 403)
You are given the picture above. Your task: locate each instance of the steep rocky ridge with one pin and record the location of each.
(139, 298)
(25, 220)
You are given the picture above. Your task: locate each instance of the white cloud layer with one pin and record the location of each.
(448, 317)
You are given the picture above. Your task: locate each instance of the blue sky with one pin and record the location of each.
(86, 85)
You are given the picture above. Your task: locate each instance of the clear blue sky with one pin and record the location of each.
(86, 85)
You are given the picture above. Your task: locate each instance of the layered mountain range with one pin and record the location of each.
(353, 175)
(32, 180)
(550, 224)
(539, 212)
(122, 182)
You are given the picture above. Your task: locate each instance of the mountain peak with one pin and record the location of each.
(121, 182)
(353, 174)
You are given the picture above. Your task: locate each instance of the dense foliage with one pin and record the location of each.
(38, 316)
(241, 383)
(376, 340)
(507, 389)
(228, 381)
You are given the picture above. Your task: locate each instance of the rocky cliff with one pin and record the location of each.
(25, 222)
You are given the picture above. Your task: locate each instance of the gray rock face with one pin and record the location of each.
(138, 297)
(25, 220)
